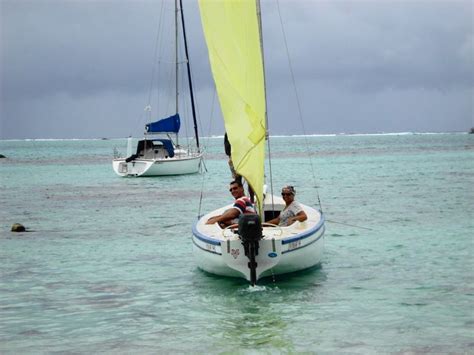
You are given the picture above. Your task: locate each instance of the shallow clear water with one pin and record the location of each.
(108, 267)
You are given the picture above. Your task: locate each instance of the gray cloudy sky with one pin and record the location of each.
(81, 69)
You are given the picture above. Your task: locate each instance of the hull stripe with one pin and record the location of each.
(203, 238)
(204, 249)
(304, 246)
(283, 252)
(305, 234)
(295, 238)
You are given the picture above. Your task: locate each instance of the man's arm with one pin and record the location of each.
(227, 216)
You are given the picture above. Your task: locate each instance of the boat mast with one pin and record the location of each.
(176, 57)
(259, 16)
(267, 134)
(191, 93)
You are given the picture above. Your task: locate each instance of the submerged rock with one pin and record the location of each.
(17, 227)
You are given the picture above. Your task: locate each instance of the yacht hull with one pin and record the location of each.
(188, 164)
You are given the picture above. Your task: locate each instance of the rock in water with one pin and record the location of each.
(17, 227)
(2, 156)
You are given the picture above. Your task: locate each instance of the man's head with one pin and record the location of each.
(236, 189)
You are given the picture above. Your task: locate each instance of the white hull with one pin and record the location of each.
(282, 249)
(178, 165)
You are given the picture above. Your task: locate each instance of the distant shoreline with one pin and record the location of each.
(273, 136)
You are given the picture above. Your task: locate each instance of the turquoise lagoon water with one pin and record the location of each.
(107, 266)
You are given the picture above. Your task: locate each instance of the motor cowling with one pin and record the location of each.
(250, 227)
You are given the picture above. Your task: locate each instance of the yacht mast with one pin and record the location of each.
(259, 16)
(267, 134)
(176, 57)
(190, 82)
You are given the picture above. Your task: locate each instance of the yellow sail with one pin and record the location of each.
(231, 29)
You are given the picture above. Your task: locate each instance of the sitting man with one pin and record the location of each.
(242, 205)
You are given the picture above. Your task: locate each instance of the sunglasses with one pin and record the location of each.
(233, 188)
(286, 194)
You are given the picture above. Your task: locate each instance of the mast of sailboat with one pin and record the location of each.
(176, 57)
(259, 16)
(267, 134)
(191, 92)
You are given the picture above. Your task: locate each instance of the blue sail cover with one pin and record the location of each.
(166, 125)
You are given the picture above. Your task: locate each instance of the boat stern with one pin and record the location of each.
(132, 168)
(235, 257)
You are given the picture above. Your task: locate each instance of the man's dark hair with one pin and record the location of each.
(236, 182)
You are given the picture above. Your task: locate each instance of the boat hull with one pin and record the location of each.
(281, 251)
(188, 164)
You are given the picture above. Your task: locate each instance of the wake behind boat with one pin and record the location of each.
(250, 249)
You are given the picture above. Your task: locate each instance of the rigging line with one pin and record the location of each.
(196, 104)
(186, 114)
(184, 106)
(153, 71)
(176, 55)
(300, 114)
(198, 114)
(211, 120)
(166, 97)
(169, 94)
(350, 225)
(267, 134)
(190, 82)
(270, 170)
(201, 196)
(206, 144)
(157, 59)
(155, 55)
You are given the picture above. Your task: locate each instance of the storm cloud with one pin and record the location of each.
(81, 69)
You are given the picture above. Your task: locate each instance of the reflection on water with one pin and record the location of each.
(249, 317)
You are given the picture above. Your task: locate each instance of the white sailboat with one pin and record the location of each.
(159, 152)
(255, 249)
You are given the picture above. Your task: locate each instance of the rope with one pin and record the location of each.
(155, 55)
(300, 115)
(206, 144)
(270, 169)
(349, 225)
(146, 115)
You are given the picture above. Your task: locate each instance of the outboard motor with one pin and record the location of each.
(250, 231)
(131, 157)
